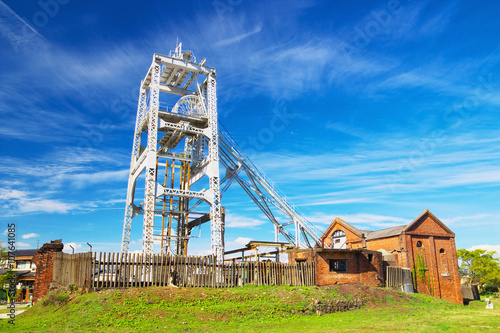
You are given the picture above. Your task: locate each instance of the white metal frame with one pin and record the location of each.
(174, 74)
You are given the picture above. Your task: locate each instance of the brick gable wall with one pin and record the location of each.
(352, 239)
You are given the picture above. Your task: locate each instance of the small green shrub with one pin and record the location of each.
(55, 298)
(72, 288)
(62, 298)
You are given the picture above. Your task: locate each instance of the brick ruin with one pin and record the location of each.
(44, 261)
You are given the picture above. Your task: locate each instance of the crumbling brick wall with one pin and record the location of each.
(44, 261)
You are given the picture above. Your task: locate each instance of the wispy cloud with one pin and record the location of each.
(379, 221)
(473, 220)
(30, 235)
(237, 221)
(335, 202)
(368, 221)
(17, 31)
(379, 167)
(18, 202)
(239, 38)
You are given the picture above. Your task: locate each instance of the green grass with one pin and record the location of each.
(251, 309)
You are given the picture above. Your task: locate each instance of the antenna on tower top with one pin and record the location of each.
(178, 50)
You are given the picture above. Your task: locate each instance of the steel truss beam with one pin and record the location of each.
(263, 192)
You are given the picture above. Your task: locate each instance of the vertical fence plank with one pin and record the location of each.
(114, 270)
(133, 269)
(93, 258)
(99, 270)
(119, 268)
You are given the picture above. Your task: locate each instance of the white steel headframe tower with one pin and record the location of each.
(168, 202)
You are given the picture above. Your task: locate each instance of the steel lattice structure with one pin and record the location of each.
(171, 208)
(192, 120)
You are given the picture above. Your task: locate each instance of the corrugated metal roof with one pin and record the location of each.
(26, 252)
(394, 231)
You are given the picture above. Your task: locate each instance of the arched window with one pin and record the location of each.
(338, 239)
(419, 244)
(444, 263)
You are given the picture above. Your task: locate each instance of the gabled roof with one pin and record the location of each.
(344, 224)
(422, 216)
(389, 232)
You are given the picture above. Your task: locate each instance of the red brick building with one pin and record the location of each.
(426, 246)
(338, 266)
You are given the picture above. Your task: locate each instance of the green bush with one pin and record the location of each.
(490, 288)
(62, 298)
(55, 298)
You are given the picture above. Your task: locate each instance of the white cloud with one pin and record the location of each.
(25, 202)
(30, 235)
(238, 242)
(21, 244)
(487, 247)
(237, 221)
(335, 202)
(68, 249)
(200, 252)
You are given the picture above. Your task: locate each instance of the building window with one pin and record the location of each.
(339, 266)
(419, 244)
(444, 263)
(21, 264)
(370, 257)
(339, 239)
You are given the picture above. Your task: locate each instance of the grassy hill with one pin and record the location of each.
(253, 309)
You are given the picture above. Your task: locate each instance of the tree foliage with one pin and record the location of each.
(479, 267)
(3, 252)
(8, 282)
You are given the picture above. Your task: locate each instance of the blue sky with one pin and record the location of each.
(390, 107)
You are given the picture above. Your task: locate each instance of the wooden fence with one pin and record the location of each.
(400, 278)
(72, 269)
(116, 270)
